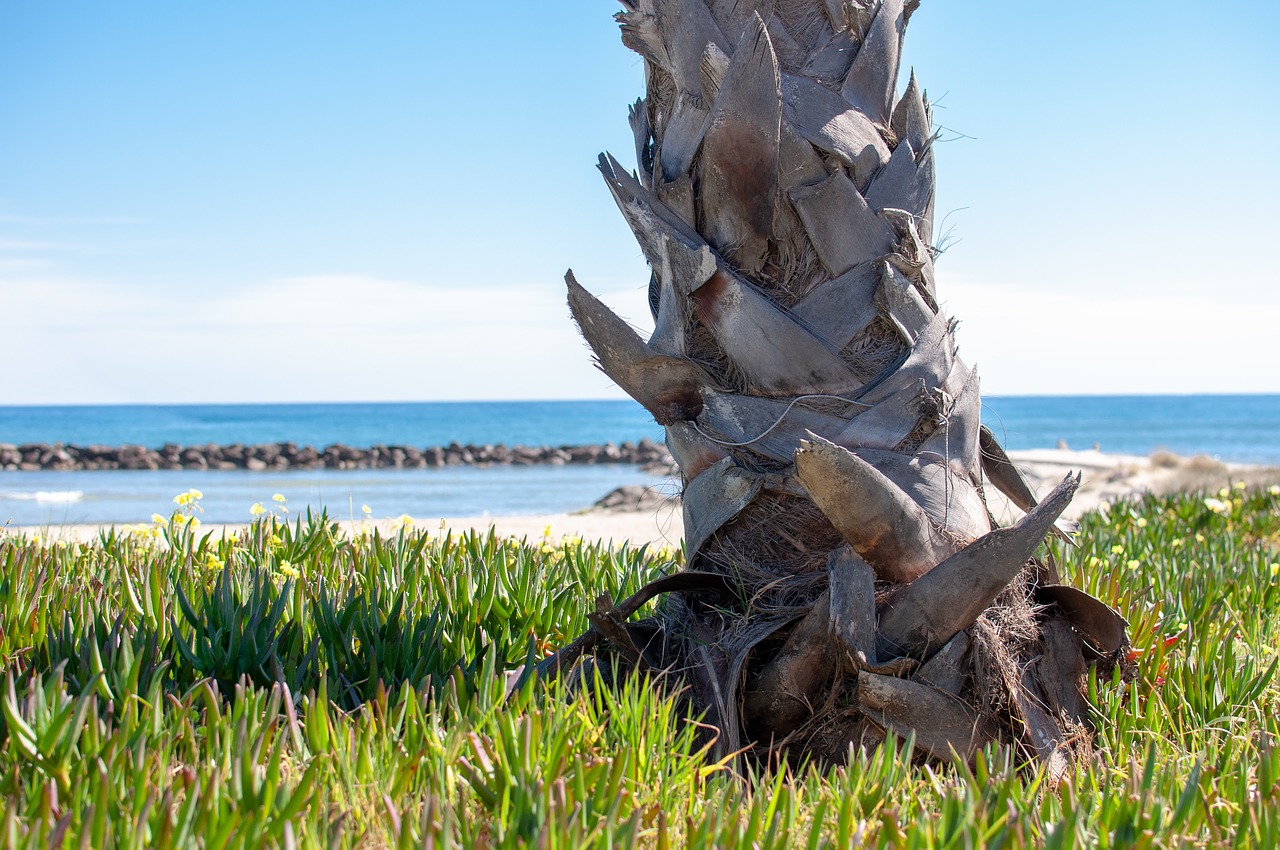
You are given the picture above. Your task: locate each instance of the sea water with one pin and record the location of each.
(69, 498)
(528, 423)
(1232, 428)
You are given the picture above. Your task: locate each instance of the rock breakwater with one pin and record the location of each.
(278, 457)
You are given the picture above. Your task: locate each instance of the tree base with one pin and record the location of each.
(778, 683)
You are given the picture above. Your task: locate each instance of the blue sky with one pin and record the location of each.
(324, 201)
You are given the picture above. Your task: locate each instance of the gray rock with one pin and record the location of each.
(635, 497)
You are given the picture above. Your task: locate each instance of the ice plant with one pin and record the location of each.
(835, 468)
(368, 702)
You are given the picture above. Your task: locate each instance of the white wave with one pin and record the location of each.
(48, 497)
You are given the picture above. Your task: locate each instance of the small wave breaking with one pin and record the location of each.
(47, 497)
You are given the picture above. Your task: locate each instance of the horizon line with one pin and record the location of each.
(354, 402)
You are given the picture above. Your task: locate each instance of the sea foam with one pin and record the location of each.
(47, 497)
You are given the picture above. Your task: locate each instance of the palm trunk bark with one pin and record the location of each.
(828, 435)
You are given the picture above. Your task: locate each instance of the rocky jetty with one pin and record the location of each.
(278, 457)
(636, 497)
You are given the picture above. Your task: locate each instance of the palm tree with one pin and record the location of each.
(833, 460)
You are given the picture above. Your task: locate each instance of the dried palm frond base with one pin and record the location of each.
(814, 666)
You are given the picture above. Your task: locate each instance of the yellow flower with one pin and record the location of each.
(1199, 538)
(1178, 543)
(1275, 570)
(1142, 522)
(256, 509)
(278, 498)
(212, 563)
(1134, 564)
(158, 519)
(404, 522)
(288, 570)
(193, 522)
(1240, 485)
(1104, 506)
(366, 510)
(546, 530)
(1274, 489)
(1117, 549)
(1224, 492)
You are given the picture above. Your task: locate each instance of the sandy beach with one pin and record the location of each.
(1106, 477)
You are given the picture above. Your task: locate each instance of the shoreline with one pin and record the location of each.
(1106, 478)
(1112, 477)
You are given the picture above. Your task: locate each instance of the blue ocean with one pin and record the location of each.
(1233, 428)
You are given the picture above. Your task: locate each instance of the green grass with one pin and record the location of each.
(297, 687)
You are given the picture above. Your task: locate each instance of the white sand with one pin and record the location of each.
(1107, 477)
(663, 527)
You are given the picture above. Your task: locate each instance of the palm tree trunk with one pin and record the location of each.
(828, 435)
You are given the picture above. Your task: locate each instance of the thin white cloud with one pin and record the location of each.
(357, 337)
(1037, 340)
(11, 218)
(317, 338)
(23, 245)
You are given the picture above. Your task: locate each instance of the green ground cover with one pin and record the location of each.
(297, 687)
